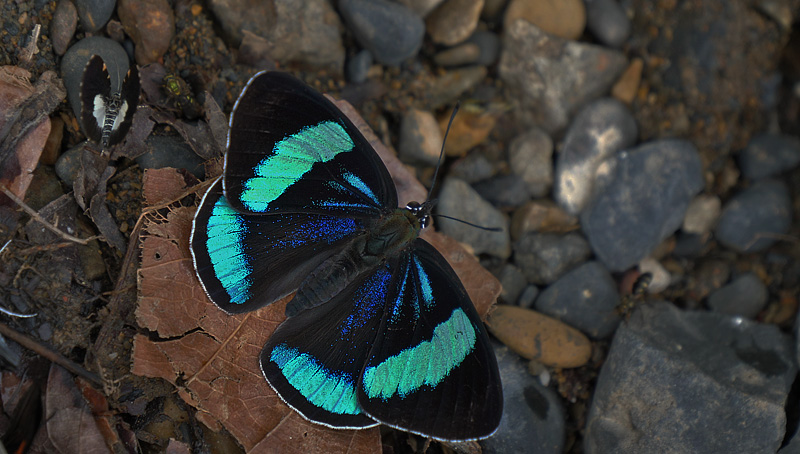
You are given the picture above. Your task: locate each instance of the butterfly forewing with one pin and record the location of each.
(292, 150)
(314, 359)
(431, 369)
(246, 261)
(128, 101)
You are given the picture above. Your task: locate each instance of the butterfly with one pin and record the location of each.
(381, 330)
(105, 116)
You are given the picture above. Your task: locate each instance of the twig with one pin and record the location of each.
(49, 354)
(43, 221)
(32, 48)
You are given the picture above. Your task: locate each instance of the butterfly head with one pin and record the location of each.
(422, 211)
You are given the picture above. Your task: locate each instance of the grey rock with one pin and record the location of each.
(528, 297)
(391, 31)
(769, 154)
(690, 244)
(544, 257)
(95, 13)
(69, 164)
(513, 282)
(552, 77)
(472, 168)
(674, 380)
(358, 66)
(305, 31)
(530, 156)
(751, 219)
(420, 138)
(533, 416)
(171, 151)
(457, 199)
(745, 296)
(600, 129)
(641, 200)
(489, 47)
(78, 55)
(585, 298)
(463, 54)
(607, 22)
(504, 190)
(449, 87)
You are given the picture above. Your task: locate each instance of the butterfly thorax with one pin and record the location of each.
(389, 236)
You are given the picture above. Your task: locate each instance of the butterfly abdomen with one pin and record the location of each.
(392, 234)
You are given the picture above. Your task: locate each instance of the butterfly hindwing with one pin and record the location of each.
(431, 369)
(292, 150)
(128, 101)
(246, 261)
(314, 359)
(95, 90)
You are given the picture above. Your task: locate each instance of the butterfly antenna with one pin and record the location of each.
(488, 229)
(441, 153)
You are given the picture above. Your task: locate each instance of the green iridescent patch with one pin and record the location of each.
(225, 231)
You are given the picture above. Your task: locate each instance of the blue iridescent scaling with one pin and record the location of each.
(381, 330)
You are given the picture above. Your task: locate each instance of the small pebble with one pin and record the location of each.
(528, 297)
(536, 336)
(563, 18)
(69, 164)
(488, 45)
(457, 199)
(702, 214)
(151, 26)
(544, 257)
(420, 138)
(627, 85)
(94, 13)
(390, 31)
(585, 298)
(358, 67)
(541, 216)
(607, 22)
(660, 277)
(453, 21)
(171, 151)
(600, 130)
(768, 155)
(746, 296)
(530, 156)
(504, 190)
(751, 219)
(472, 168)
(449, 88)
(471, 126)
(513, 282)
(65, 22)
(462, 54)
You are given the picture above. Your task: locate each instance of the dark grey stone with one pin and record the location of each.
(78, 55)
(358, 66)
(65, 22)
(457, 199)
(508, 190)
(391, 31)
(641, 200)
(679, 382)
(607, 22)
(585, 298)
(528, 297)
(533, 416)
(601, 129)
(751, 219)
(769, 154)
(552, 77)
(544, 257)
(95, 13)
(171, 151)
(489, 46)
(745, 296)
(472, 168)
(69, 164)
(513, 282)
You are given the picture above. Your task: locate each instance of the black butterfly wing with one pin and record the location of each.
(314, 359)
(292, 150)
(128, 101)
(95, 93)
(431, 370)
(246, 261)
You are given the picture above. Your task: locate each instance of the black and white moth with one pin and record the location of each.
(106, 117)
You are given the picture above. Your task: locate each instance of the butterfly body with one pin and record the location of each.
(381, 330)
(106, 116)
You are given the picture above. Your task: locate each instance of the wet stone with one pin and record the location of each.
(544, 257)
(746, 296)
(585, 298)
(640, 200)
(390, 31)
(751, 219)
